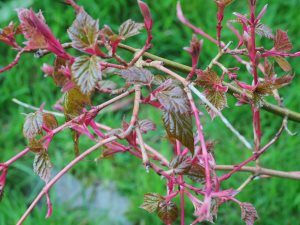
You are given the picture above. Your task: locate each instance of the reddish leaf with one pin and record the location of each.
(223, 2)
(59, 77)
(179, 126)
(33, 124)
(197, 173)
(151, 202)
(130, 28)
(146, 125)
(84, 32)
(137, 75)
(146, 14)
(194, 49)
(35, 145)
(167, 212)
(86, 72)
(282, 42)
(49, 121)
(181, 164)
(37, 33)
(7, 34)
(249, 213)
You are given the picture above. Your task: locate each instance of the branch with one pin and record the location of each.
(279, 111)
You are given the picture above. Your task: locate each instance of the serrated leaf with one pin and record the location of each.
(264, 31)
(282, 42)
(151, 202)
(249, 213)
(167, 212)
(35, 145)
(217, 98)
(283, 63)
(42, 165)
(173, 98)
(179, 126)
(181, 164)
(84, 32)
(137, 75)
(209, 79)
(74, 102)
(86, 72)
(130, 28)
(197, 173)
(33, 124)
(146, 125)
(50, 121)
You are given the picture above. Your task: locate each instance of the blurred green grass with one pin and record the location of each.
(277, 200)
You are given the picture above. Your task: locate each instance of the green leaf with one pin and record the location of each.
(249, 213)
(130, 28)
(84, 32)
(167, 212)
(42, 165)
(74, 102)
(179, 126)
(181, 164)
(217, 98)
(282, 42)
(151, 202)
(137, 75)
(50, 121)
(86, 72)
(33, 124)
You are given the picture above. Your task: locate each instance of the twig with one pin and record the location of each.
(143, 149)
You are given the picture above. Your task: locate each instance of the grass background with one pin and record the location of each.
(277, 200)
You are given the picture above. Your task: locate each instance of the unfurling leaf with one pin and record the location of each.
(59, 78)
(37, 33)
(33, 124)
(50, 121)
(249, 213)
(215, 92)
(146, 14)
(42, 165)
(74, 102)
(283, 63)
(7, 34)
(151, 202)
(35, 145)
(146, 125)
(179, 126)
(282, 42)
(181, 164)
(84, 32)
(86, 72)
(137, 75)
(264, 31)
(167, 212)
(130, 28)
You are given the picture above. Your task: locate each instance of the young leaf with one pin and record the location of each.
(283, 63)
(179, 126)
(137, 75)
(146, 125)
(7, 34)
(282, 42)
(130, 28)
(86, 72)
(33, 124)
(146, 14)
(151, 202)
(197, 173)
(50, 121)
(223, 2)
(264, 31)
(42, 165)
(84, 32)
(173, 98)
(249, 213)
(167, 212)
(217, 98)
(106, 85)
(59, 78)
(74, 102)
(181, 164)
(35, 145)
